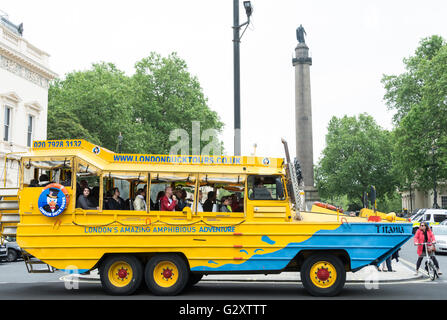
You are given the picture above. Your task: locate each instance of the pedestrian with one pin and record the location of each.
(425, 235)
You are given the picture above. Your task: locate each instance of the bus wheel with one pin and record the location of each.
(121, 275)
(166, 274)
(323, 275)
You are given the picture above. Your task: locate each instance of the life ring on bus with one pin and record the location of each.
(53, 200)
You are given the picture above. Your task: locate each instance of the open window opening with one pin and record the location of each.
(222, 193)
(172, 191)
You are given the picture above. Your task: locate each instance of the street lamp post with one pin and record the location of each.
(435, 192)
(237, 83)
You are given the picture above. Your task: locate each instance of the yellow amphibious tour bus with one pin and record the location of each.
(144, 218)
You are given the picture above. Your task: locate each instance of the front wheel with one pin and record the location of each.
(431, 270)
(323, 275)
(166, 274)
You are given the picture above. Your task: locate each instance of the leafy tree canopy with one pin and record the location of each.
(357, 155)
(100, 103)
(419, 96)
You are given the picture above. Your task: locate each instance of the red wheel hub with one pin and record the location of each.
(122, 273)
(167, 273)
(323, 274)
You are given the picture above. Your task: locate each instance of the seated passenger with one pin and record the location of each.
(44, 180)
(168, 201)
(139, 203)
(226, 205)
(94, 196)
(84, 202)
(199, 204)
(260, 192)
(33, 183)
(181, 202)
(208, 205)
(160, 195)
(115, 202)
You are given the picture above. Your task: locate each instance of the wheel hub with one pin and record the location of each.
(122, 273)
(323, 274)
(167, 273)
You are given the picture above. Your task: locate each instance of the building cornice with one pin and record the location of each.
(26, 62)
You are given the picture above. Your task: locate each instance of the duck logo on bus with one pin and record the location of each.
(53, 200)
(96, 150)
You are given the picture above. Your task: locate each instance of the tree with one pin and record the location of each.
(357, 155)
(100, 103)
(405, 91)
(166, 98)
(98, 100)
(419, 97)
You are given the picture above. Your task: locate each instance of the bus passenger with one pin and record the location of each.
(169, 201)
(160, 195)
(83, 201)
(181, 196)
(140, 201)
(115, 202)
(44, 180)
(208, 205)
(260, 192)
(226, 205)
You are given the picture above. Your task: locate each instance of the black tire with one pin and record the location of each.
(12, 255)
(132, 284)
(336, 266)
(431, 271)
(194, 278)
(179, 278)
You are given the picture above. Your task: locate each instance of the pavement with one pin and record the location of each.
(403, 271)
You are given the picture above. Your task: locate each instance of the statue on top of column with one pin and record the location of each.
(300, 32)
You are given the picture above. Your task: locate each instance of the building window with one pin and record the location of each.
(7, 122)
(29, 134)
(444, 202)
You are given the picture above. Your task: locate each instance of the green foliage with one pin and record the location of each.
(419, 97)
(100, 103)
(357, 155)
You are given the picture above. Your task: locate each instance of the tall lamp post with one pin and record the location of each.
(435, 192)
(237, 82)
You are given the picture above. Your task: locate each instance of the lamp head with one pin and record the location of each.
(248, 8)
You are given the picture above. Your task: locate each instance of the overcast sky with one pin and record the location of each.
(352, 43)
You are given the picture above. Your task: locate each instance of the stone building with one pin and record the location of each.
(417, 199)
(24, 83)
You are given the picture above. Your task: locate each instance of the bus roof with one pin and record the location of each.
(106, 160)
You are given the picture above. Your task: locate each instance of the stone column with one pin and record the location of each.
(303, 121)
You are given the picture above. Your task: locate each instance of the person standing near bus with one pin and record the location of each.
(169, 201)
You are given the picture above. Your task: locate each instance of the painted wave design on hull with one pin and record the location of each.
(363, 242)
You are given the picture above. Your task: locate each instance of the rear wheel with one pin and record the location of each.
(323, 275)
(166, 274)
(121, 275)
